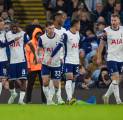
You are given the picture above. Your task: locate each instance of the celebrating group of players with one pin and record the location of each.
(60, 54)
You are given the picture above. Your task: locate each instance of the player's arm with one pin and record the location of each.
(103, 40)
(6, 44)
(62, 43)
(26, 38)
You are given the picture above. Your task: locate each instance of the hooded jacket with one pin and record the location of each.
(34, 62)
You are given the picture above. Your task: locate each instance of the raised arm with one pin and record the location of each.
(101, 47)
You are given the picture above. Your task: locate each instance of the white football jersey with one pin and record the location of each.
(3, 55)
(60, 32)
(72, 48)
(17, 53)
(114, 44)
(49, 44)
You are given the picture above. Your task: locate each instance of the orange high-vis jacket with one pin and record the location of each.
(30, 55)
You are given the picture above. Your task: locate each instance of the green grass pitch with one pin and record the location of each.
(64, 112)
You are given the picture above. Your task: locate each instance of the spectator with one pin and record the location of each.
(91, 4)
(87, 83)
(90, 45)
(60, 5)
(101, 19)
(85, 23)
(5, 17)
(49, 8)
(11, 15)
(49, 3)
(71, 5)
(104, 79)
(98, 12)
(109, 6)
(100, 28)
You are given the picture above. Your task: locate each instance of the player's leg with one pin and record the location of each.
(3, 74)
(59, 90)
(12, 79)
(56, 77)
(21, 80)
(51, 87)
(120, 76)
(31, 80)
(75, 73)
(22, 85)
(114, 86)
(45, 78)
(69, 79)
(41, 84)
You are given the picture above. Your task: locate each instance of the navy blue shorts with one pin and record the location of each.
(72, 68)
(114, 66)
(18, 71)
(54, 72)
(3, 69)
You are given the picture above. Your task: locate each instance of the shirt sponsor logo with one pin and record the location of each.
(117, 42)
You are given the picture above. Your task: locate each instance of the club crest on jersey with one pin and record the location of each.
(49, 49)
(117, 42)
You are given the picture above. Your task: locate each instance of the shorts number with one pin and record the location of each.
(58, 73)
(23, 72)
(77, 69)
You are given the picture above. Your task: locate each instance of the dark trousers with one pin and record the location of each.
(31, 80)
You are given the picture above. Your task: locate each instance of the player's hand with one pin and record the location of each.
(17, 38)
(99, 60)
(49, 61)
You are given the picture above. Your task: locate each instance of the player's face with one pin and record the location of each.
(50, 29)
(115, 22)
(15, 29)
(60, 20)
(78, 26)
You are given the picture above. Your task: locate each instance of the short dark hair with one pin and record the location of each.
(74, 21)
(57, 14)
(115, 15)
(49, 23)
